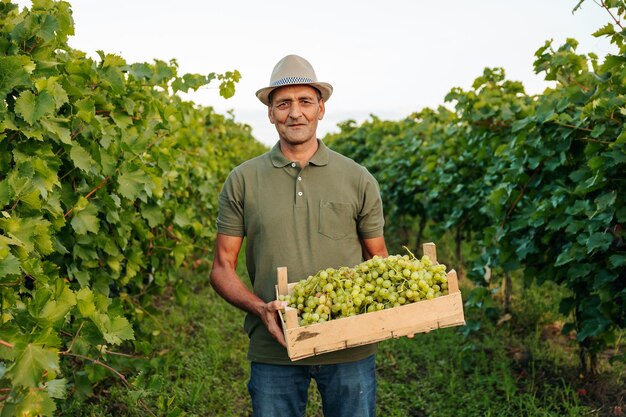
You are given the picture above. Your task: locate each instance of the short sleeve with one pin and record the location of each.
(370, 221)
(230, 220)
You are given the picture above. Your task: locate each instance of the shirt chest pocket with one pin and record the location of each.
(337, 220)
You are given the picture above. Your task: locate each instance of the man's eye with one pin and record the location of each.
(282, 106)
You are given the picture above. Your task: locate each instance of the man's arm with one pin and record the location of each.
(226, 282)
(374, 246)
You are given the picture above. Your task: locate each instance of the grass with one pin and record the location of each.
(520, 367)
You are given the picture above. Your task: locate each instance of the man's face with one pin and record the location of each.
(295, 111)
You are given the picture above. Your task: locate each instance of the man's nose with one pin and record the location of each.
(295, 111)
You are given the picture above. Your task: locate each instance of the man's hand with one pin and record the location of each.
(269, 315)
(226, 282)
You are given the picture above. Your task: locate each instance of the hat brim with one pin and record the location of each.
(324, 88)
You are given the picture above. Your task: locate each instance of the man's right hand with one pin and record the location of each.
(269, 315)
(226, 282)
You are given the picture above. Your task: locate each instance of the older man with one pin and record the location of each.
(306, 207)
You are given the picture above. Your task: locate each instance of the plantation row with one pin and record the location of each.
(532, 183)
(108, 185)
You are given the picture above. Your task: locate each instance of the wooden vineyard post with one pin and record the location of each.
(291, 314)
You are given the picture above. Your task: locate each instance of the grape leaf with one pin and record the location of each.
(28, 231)
(57, 388)
(86, 109)
(54, 88)
(81, 158)
(48, 28)
(598, 130)
(48, 310)
(606, 30)
(564, 258)
(30, 364)
(618, 260)
(86, 221)
(32, 107)
(85, 302)
(592, 327)
(112, 60)
(58, 131)
(14, 72)
(5, 193)
(599, 240)
(181, 218)
(114, 329)
(36, 403)
(10, 265)
(132, 183)
(162, 72)
(153, 214)
(140, 71)
(81, 275)
(606, 200)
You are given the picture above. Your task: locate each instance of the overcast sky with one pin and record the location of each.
(387, 58)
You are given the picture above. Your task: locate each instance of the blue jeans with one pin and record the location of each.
(347, 389)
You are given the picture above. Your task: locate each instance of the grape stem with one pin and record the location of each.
(410, 253)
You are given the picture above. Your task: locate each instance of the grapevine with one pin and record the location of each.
(108, 187)
(527, 185)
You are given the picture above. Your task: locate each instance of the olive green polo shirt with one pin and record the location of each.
(306, 219)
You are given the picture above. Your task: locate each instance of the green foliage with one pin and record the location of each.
(535, 183)
(108, 186)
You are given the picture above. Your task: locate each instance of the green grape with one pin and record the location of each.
(373, 285)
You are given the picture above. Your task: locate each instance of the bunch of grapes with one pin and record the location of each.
(372, 285)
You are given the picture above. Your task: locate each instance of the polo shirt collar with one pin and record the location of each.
(320, 158)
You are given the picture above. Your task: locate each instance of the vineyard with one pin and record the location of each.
(108, 201)
(530, 184)
(108, 187)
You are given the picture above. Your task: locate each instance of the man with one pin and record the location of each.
(305, 207)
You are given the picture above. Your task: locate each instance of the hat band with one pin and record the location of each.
(292, 80)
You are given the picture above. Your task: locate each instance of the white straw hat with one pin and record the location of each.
(292, 70)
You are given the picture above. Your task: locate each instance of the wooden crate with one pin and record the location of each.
(406, 320)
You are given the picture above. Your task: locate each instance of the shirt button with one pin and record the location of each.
(299, 178)
(293, 164)
(300, 193)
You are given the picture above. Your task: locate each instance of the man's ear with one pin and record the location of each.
(320, 115)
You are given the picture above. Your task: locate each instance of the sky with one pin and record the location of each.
(384, 58)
